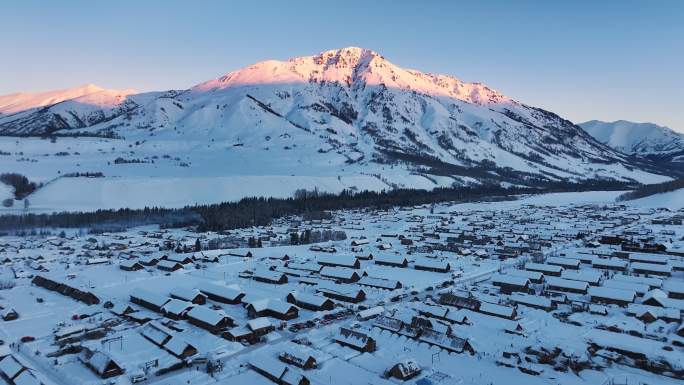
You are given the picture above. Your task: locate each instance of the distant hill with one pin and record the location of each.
(643, 140)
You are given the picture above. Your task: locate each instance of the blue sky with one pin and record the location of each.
(582, 59)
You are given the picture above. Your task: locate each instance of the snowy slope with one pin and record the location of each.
(348, 114)
(18, 102)
(640, 139)
(673, 200)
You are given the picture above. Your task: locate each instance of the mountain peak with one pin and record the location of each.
(357, 68)
(346, 55)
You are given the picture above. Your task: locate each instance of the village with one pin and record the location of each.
(482, 293)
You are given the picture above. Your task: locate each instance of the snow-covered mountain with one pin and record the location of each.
(345, 108)
(646, 140)
(42, 113)
(635, 138)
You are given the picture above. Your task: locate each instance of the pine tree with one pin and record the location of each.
(294, 238)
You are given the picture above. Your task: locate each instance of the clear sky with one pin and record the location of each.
(584, 60)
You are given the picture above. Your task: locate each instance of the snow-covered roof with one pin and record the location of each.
(177, 306)
(220, 291)
(506, 279)
(206, 315)
(612, 293)
(651, 267)
(589, 276)
(338, 272)
(150, 297)
(543, 267)
(566, 283)
(259, 323)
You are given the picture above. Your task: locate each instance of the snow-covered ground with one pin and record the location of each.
(6, 192)
(673, 200)
(482, 242)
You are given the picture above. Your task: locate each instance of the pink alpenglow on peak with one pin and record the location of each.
(357, 68)
(87, 94)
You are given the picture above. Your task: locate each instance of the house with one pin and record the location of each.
(365, 315)
(190, 295)
(657, 297)
(260, 326)
(509, 283)
(239, 334)
(179, 347)
(674, 289)
(166, 265)
(277, 371)
(211, 320)
(148, 299)
(404, 370)
(148, 260)
(533, 301)
(9, 314)
(614, 264)
(534, 276)
(176, 309)
(611, 295)
(310, 302)
(348, 261)
(130, 265)
(272, 308)
(566, 263)
(434, 265)
(637, 348)
(592, 277)
(496, 310)
(639, 288)
(340, 274)
(566, 285)
(664, 313)
(457, 316)
(356, 340)
(651, 269)
(14, 372)
(268, 276)
(167, 339)
(359, 242)
(380, 283)
(122, 309)
(342, 293)
(649, 258)
(391, 260)
(547, 270)
(222, 294)
(305, 266)
(445, 341)
(298, 356)
(100, 363)
(460, 299)
(179, 258)
(97, 261)
(64, 289)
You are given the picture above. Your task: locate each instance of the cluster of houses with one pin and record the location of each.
(604, 269)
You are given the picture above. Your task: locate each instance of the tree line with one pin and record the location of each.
(652, 189)
(261, 211)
